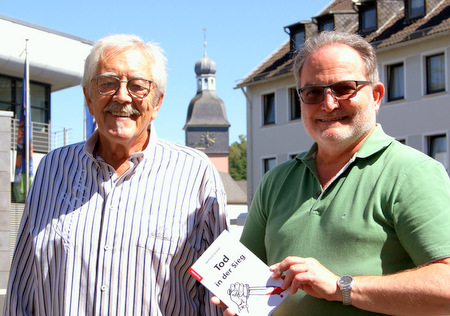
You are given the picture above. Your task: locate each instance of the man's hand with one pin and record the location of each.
(216, 301)
(309, 275)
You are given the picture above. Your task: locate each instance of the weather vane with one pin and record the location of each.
(204, 39)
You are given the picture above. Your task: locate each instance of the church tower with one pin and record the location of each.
(206, 125)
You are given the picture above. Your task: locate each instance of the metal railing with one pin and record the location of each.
(45, 136)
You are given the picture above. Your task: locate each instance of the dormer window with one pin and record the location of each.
(297, 36)
(368, 17)
(326, 23)
(414, 9)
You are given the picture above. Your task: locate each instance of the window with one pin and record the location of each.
(294, 104)
(296, 34)
(40, 109)
(435, 70)
(269, 108)
(269, 163)
(11, 98)
(396, 82)
(6, 94)
(438, 148)
(368, 17)
(414, 9)
(297, 38)
(326, 24)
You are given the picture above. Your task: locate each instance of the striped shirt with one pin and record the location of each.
(91, 243)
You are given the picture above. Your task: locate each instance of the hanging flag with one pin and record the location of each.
(90, 125)
(24, 157)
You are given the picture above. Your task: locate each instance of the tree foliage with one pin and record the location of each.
(238, 159)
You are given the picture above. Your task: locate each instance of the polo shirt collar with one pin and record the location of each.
(376, 141)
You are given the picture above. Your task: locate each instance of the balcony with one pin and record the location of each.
(45, 136)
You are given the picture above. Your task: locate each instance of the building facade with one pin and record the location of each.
(412, 42)
(56, 62)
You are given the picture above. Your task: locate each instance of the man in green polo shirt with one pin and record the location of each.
(360, 224)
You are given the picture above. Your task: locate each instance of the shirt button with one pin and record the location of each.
(318, 193)
(111, 207)
(106, 247)
(103, 288)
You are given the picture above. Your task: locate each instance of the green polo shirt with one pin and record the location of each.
(389, 210)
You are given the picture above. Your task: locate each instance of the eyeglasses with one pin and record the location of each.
(109, 85)
(342, 90)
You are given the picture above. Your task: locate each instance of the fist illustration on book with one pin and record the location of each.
(239, 294)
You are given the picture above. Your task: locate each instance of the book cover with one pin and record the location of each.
(238, 277)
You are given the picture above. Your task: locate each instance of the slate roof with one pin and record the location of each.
(398, 30)
(393, 29)
(206, 109)
(235, 193)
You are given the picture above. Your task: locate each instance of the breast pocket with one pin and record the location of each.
(162, 240)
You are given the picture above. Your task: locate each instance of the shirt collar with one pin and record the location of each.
(150, 146)
(377, 140)
(92, 140)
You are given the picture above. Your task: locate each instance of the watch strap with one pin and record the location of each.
(347, 297)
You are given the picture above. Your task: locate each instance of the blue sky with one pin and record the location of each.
(239, 35)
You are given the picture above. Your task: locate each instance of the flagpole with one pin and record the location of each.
(27, 119)
(84, 122)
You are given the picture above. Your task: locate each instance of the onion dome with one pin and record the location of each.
(205, 66)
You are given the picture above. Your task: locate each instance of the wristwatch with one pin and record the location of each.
(345, 283)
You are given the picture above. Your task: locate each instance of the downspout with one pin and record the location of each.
(249, 148)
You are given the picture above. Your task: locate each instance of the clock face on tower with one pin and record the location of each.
(207, 139)
(213, 140)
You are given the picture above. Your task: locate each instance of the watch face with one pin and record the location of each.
(345, 281)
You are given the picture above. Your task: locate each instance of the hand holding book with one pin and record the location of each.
(238, 278)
